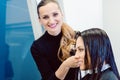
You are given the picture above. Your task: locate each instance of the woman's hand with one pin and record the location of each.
(72, 62)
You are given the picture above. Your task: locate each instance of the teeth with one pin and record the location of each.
(53, 25)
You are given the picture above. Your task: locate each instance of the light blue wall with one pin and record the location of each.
(16, 37)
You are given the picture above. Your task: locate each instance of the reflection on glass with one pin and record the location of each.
(16, 37)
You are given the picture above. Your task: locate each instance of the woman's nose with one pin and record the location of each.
(51, 20)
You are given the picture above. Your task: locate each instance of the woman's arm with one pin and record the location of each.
(71, 62)
(46, 70)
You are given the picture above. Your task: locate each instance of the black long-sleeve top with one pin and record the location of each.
(44, 52)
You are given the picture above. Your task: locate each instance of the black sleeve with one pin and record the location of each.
(42, 63)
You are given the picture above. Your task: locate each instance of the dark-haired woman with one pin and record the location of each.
(102, 65)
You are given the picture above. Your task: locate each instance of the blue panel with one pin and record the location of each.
(16, 37)
(3, 46)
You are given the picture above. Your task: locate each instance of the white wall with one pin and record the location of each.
(111, 21)
(83, 14)
(37, 28)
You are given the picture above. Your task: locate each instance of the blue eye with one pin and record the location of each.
(55, 14)
(45, 17)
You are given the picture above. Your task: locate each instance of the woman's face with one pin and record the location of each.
(51, 18)
(80, 51)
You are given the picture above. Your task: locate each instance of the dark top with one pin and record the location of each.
(108, 75)
(105, 75)
(44, 52)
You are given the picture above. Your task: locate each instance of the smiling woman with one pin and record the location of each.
(49, 49)
(37, 30)
(77, 18)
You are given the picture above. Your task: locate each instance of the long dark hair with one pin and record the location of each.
(86, 59)
(100, 49)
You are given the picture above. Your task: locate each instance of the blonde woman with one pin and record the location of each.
(51, 51)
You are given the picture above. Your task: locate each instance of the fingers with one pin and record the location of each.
(75, 65)
(76, 62)
(73, 61)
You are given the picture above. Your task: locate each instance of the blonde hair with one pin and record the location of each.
(66, 41)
